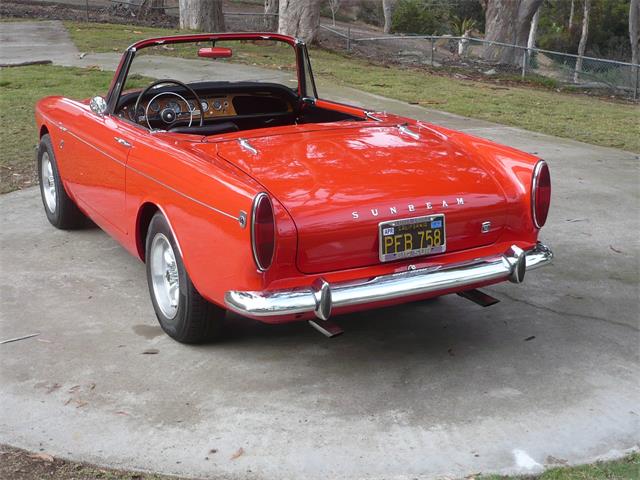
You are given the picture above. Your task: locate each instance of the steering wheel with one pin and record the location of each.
(167, 115)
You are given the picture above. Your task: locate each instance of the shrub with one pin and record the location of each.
(414, 16)
(370, 12)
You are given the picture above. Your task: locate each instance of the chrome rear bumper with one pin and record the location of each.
(322, 297)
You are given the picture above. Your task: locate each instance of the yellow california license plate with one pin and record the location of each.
(412, 237)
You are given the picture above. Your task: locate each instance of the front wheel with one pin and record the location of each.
(61, 211)
(182, 312)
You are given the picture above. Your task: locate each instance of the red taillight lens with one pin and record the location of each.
(263, 231)
(540, 194)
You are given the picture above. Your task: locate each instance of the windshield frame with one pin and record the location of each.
(301, 55)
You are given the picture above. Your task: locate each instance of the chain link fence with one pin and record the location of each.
(479, 56)
(465, 56)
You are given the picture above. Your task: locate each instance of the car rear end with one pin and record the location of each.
(376, 217)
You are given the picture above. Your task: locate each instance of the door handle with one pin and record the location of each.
(123, 142)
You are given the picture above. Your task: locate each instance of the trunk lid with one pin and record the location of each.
(339, 184)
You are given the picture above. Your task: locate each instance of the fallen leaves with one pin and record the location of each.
(53, 387)
(45, 457)
(238, 453)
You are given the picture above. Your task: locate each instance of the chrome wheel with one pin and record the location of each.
(48, 183)
(165, 277)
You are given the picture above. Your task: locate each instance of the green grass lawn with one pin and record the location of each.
(579, 117)
(627, 468)
(588, 119)
(20, 89)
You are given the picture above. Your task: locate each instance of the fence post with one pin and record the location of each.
(431, 51)
(87, 9)
(635, 90)
(349, 38)
(524, 63)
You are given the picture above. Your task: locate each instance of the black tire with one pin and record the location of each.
(63, 213)
(195, 319)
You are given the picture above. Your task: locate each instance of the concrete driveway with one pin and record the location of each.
(438, 388)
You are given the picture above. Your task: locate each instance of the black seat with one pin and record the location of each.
(213, 129)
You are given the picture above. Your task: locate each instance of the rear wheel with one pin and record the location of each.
(61, 211)
(182, 312)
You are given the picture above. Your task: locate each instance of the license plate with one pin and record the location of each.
(412, 237)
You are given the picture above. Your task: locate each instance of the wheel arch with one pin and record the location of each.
(145, 213)
(44, 130)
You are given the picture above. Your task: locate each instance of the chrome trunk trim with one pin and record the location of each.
(244, 143)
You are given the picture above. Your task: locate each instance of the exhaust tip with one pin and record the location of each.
(327, 328)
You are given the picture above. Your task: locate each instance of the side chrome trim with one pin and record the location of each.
(149, 177)
(111, 157)
(321, 297)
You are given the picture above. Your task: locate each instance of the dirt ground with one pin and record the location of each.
(17, 464)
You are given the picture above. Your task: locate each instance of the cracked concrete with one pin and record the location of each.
(431, 389)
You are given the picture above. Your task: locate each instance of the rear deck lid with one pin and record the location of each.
(339, 184)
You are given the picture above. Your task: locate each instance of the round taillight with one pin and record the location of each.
(263, 231)
(540, 194)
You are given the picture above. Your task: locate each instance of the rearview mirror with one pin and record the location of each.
(215, 52)
(98, 105)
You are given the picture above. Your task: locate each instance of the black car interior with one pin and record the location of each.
(225, 107)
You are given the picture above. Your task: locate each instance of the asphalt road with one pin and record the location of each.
(437, 388)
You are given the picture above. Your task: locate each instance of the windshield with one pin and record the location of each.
(230, 61)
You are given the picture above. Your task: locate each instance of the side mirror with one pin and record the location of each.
(98, 105)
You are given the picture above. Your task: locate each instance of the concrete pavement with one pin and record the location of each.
(439, 388)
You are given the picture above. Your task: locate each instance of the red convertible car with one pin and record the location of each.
(213, 159)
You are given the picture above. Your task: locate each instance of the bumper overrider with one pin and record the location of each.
(321, 297)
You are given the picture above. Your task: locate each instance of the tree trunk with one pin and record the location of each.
(270, 17)
(573, 5)
(634, 21)
(583, 39)
(151, 8)
(334, 5)
(203, 15)
(508, 21)
(299, 18)
(533, 31)
(387, 10)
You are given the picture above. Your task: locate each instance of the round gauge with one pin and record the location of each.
(217, 104)
(154, 107)
(174, 106)
(205, 106)
(139, 116)
(192, 105)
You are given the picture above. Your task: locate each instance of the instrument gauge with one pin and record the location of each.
(174, 106)
(154, 106)
(205, 106)
(217, 104)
